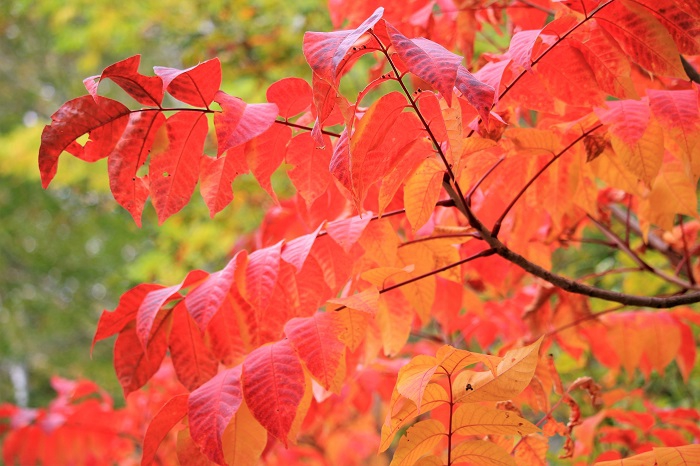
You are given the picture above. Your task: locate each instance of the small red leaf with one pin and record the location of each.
(194, 86)
(240, 122)
(428, 60)
(146, 90)
(210, 409)
(273, 386)
(265, 153)
(216, 176)
(162, 423)
(105, 123)
(174, 171)
(291, 95)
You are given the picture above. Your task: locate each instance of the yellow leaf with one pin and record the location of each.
(530, 141)
(474, 419)
(678, 456)
(366, 301)
(244, 438)
(419, 440)
(404, 410)
(394, 320)
(431, 460)
(453, 125)
(481, 452)
(422, 191)
(450, 359)
(642, 157)
(355, 327)
(415, 376)
(514, 373)
(671, 193)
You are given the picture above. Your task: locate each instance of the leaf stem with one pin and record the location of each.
(305, 128)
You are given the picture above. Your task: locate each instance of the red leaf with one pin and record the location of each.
(130, 153)
(316, 339)
(105, 123)
(309, 174)
(297, 250)
(194, 363)
(133, 366)
(273, 387)
(346, 232)
(114, 322)
(146, 90)
(521, 45)
(261, 275)
(291, 95)
(366, 301)
(174, 171)
(429, 61)
(327, 52)
(216, 176)
(162, 423)
(240, 122)
(194, 86)
(479, 95)
(154, 300)
(265, 153)
(210, 409)
(205, 300)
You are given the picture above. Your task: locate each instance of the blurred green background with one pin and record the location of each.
(69, 252)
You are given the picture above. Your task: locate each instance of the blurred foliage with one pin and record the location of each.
(69, 252)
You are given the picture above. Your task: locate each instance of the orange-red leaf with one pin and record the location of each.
(193, 361)
(216, 176)
(309, 173)
(291, 95)
(347, 232)
(162, 423)
(240, 122)
(146, 90)
(261, 275)
(195, 86)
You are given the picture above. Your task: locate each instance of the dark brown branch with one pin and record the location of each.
(690, 70)
(306, 128)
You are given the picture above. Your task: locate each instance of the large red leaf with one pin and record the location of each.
(224, 335)
(316, 340)
(131, 152)
(210, 409)
(162, 423)
(240, 122)
(112, 322)
(327, 52)
(194, 86)
(261, 275)
(146, 90)
(273, 386)
(479, 95)
(291, 95)
(174, 171)
(216, 176)
(428, 60)
(105, 123)
(309, 174)
(205, 300)
(193, 361)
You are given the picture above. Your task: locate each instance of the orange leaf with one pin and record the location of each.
(481, 452)
(420, 439)
(244, 439)
(474, 419)
(422, 192)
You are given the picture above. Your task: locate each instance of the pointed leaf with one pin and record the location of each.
(316, 340)
(273, 387)
(133, 366)
(514, 373)
(105, 123)
(414, 378)
(131, 152)
(174, 171)
(244, 438)
(355, 327)
(193, 361)
(162, 423)
(480, 95)
(261, 275)
(297, 250)
(146, 90)
(422, 192)
(264, 154)
(366, 301)
(216, 176)
(347, 232)
(195, 86)
(309, 175)
(240, 122)
(210, 409)
(428, 60)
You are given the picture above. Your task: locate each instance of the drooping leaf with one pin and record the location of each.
(162, 423)
(240, 122)
(297, 250)
(104, 122)
(261, 275)
(173, 171)
(422, 192)
(316, 340)
(273, 387)
(309, 174)
(480, 95)
(133, 365)
(244, 439)
(146, 90)
(264, 154)
(194, 86)
(210, 409)
(216, 176)
(193, 361)
(428, 60)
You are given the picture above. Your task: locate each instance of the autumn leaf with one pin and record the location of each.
(420, 439)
